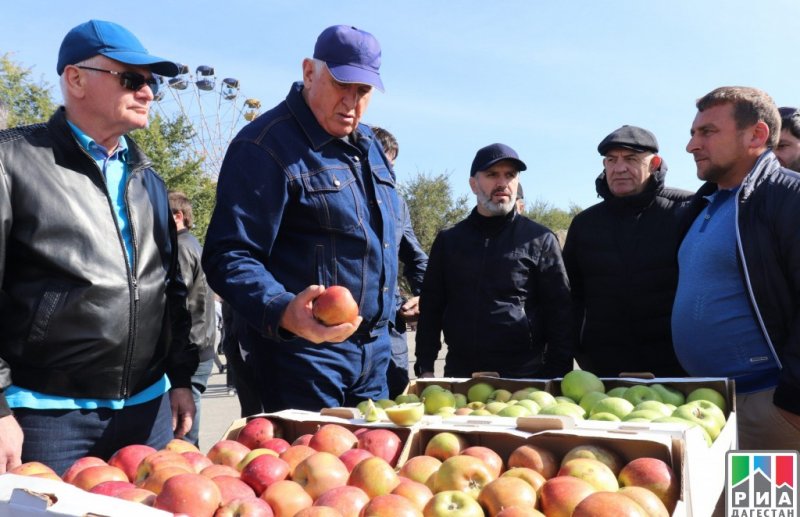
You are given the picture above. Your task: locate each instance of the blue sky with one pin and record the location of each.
(551, 79)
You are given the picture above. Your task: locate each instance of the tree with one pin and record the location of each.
(431, 205)
(26, 101)
(556, 219)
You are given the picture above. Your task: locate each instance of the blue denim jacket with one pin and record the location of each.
(297, 206)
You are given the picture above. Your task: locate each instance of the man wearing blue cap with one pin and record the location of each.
(496, 286)
(94, 331)
(307, 200)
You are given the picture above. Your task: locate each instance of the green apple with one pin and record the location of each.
(565, 399)
(710, 395)
(619, 391)
(655, 406)
(476, 405)
(532, 406)
(453, 503)
(604, 417)
(564, 409)
(495, 406)
(500, 395)
(479, 392)
(406, 398)
(523, 393)
(669, 395)
(437, 399)
(712, 408)
(639, 393)
(639, 415)
(542, 398)
(384, 403)
(364, 405)
(617, 406)
(446, 411)
(687, 423)
(590, 399)
(695, 412)
(461, 400)
(406, 414)
(480, 412)
(430, 389)
(578, 383)
(514, 411)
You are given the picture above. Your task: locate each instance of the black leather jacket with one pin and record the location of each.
(768, 251)
(75, 321)
(497, 288)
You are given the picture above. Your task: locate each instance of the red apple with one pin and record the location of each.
(197, 460)
(112, 487)
(374, 476)
(295, 454)
(504, 492)
(231, 488)
(180, 446)
(320, 472)
(463, 473)
(263, 471)
(256, 432)
(418, 493)
(519, 511)
(654, 475)
(488, 456)
(382, 443)
(452, 503)
(277, 444)
(333, 438)
(649, 501)
(353, 457)
(129, 457)
(137, 495)
(390, 505)
(286, 498)
(190, 493)
(596, 452)
(33, 468)
(594, 472)
(92, 476)
(349, 500)
(253, 454)
(303, 439)
(559, 496)
(245, 507)
(318, 511)
(530, 476)
(213, 471)
(601, 504)
(420, 468)
(158, 460)
(87, 461)
(445, 445)
(534, 457)
(155, 480)
(335, 306)
(227, 452)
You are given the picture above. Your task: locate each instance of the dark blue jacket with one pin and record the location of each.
(297, 206)
(768, 250)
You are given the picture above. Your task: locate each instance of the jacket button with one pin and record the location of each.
(336, 182)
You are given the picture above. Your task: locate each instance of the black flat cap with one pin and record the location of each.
(629, 137)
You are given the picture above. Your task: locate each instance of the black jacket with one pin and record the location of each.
(621, 257)
(75, 320)
(200, 297)
(497, 288)
(768, 237)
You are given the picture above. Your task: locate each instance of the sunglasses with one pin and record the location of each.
(132, 81)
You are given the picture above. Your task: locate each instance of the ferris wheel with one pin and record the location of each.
(216, 110)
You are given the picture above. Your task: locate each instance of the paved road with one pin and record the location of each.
(220, 409)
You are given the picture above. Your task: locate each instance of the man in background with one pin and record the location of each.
(788, 148)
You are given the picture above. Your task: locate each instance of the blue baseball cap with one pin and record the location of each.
(112, 41)
(352, 55)
(491, 154)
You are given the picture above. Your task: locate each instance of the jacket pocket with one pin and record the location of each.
(47, 306)
(330, 192)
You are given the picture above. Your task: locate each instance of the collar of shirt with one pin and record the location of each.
(97, 151)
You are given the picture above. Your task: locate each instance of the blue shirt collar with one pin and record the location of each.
(93, 148)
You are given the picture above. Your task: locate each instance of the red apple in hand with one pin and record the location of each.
(335, 306)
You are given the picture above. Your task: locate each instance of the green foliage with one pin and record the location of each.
(168, 144)
(556, 219)
(26, 101)
(431, 205)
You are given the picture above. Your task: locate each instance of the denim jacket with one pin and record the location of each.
(297, 206)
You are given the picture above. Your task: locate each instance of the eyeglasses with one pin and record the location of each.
(132, 81)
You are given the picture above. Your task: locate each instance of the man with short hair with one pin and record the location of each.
(737, 309)
(496, 286)
(520, 204)
(306, 200)
(200, 302)
(620, 256)
(788, 148)
(94, 332)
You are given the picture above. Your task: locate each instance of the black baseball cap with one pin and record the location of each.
(491, 154)
(629, 137)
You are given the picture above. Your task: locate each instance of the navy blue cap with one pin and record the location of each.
(97, 37)
(629, 137)
(491, 154)
(352, 55)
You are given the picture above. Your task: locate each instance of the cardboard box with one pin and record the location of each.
(292, 423)
(26, 496)
(560, 441)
